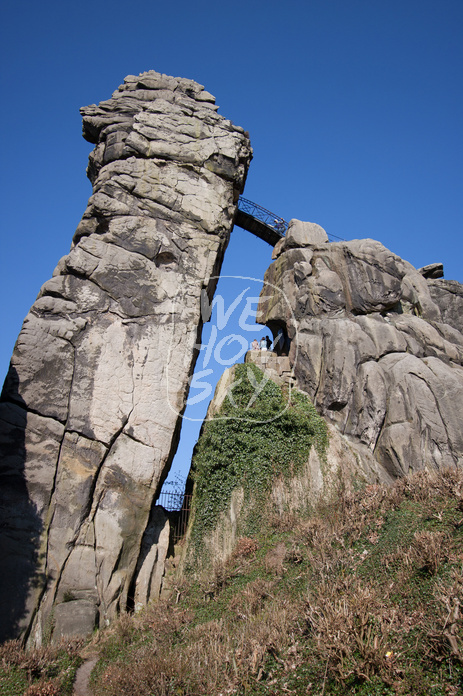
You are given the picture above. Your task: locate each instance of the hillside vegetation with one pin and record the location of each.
(361, 596)
(261, 433)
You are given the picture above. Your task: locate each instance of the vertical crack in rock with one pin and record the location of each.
(90, 411)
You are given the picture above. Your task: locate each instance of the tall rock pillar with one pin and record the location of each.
(90, 410)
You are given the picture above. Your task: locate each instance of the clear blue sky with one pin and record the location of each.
(354, 108)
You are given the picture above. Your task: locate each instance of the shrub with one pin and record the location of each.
(430, 550)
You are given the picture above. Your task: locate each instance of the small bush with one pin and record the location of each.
(251, 600)
(244, 548)
(430, 550)
(275, 558)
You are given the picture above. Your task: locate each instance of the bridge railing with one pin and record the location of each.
(276, 222)
(262, 214)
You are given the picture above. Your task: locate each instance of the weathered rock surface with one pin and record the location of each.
(89, 412)
(377, 347)
(302, 234)
(448, 295)
(152, 559)
(432, 270)
(275, 367)
(73, 618)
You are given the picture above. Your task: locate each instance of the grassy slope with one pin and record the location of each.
(360, 595)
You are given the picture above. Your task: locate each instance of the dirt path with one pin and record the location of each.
(81, 687)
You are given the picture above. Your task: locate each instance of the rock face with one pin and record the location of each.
(90, 409)
(448, 295)
(377, 347)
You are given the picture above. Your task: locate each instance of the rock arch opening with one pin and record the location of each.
(234, 307)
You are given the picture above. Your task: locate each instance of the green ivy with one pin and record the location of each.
(251, 442)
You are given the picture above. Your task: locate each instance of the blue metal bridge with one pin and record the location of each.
(259, 221)
(264, 224)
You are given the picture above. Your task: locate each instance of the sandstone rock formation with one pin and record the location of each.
(377, 346)
(90, 409)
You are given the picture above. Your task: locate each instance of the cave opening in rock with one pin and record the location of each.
(281, 342)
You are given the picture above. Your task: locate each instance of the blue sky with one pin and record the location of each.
(354, 108)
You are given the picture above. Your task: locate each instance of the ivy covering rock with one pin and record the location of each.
(251, 442)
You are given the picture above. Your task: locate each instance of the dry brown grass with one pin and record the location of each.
(275, 559)
(245, 547)
(430, 550)
(449, 636)
(46, 687)
(352, 623)
(333, 594)
(36, 660)
(48, 670)
(251, 600)
(282, 522)
(209, 658)
(358, 631)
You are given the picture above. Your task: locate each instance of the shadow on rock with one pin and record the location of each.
(20, 523)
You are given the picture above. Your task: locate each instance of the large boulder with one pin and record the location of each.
(301, 234)
(75, 618)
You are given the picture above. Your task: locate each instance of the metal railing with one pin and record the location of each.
(172, 501)
(178, 507)
(333, 237)
(275, 222)
(268, 218)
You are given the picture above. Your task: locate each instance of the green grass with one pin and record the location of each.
(13, 681)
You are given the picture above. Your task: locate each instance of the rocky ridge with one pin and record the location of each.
(376, 345)
(90, 410)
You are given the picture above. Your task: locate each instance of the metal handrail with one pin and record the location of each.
(177, 505)
(333, 236)
(268, 218)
